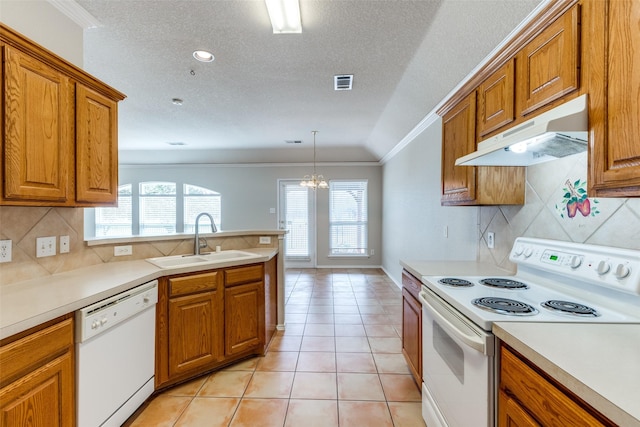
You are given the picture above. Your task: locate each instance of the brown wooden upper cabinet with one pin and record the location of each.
(614, 110)
(458, 139)
(59, 130)
(496, 100)
(548, 67)
(471, 185)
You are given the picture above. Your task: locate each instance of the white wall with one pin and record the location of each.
(413, 220)
(39, 21)
(248, 193)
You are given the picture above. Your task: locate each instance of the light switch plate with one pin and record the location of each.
(122, 250)
(64, 244)
(491, 240)
(45, 246)
(5, 251)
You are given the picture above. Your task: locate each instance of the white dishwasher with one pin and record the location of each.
(115, 356)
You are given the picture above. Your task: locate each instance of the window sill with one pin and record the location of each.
(348, 256)
(97, 241)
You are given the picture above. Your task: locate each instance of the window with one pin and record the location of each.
(198, 200)
(296, 213)
(115, 221)
(156, 208)
(348, 218)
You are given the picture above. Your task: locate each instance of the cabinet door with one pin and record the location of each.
(496, 100)
(96, 148)
(194, 329)
(44, 397)
(615, 157)
(511, 414)
(38, 131)
(548, 66)
(458, 139)
(244, 317)
(412, 334)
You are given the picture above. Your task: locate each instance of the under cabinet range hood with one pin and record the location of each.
(553, 134)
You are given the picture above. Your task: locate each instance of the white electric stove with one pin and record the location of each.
(555, 281)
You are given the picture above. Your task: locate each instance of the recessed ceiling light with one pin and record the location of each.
(177, 143)
(203, 56)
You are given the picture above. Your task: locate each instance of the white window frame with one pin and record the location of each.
(363, 220)
(90, 217)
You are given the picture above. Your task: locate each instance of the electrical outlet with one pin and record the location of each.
(491, 240)
(45, 246)
(122, 250)
(64, 244)
(5, 251)
(265, 240)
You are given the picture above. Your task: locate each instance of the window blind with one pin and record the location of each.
(348, 222)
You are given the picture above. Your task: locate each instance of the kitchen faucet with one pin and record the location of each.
(196, 243)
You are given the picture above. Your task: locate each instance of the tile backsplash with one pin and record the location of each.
(557, 208)
(23, 225)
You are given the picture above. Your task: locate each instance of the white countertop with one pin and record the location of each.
(32, 302)
(598, 362)
(452, 268)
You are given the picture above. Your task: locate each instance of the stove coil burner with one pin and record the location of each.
(456, 283)
(503, 283)
(571, 308)
(504, 306)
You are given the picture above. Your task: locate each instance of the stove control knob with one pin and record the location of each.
(519, 249)
(528, 252)
(621, 271)
(575, 261)
(603, 267)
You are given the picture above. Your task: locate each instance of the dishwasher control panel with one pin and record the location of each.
(98, 317)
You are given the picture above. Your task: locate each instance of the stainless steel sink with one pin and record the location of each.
(177, 261)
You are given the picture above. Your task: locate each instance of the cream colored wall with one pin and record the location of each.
(41, 22)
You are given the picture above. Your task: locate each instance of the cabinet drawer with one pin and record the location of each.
(550, 405)
(194, 283)
(21, 356)
(236, 276)
(411, 284)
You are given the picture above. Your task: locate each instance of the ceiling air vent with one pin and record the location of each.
(343, 82)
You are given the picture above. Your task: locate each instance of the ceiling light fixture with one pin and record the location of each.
(314, 181)
(203, 56)
(285, 16)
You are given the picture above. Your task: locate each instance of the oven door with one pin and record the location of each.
(457, 357)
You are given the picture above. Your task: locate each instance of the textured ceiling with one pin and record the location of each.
(263, 89)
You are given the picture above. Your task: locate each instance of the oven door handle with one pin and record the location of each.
(469, 335)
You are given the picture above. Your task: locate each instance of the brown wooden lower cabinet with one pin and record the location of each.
(528, 398)
(210, 319)
(243, 317)
(412, 325)
(38, 377)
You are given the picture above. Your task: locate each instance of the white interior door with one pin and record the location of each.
(297, 215)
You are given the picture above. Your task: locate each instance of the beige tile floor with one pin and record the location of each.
(338, 363)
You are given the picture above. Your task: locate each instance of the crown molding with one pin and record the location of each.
(76, 13)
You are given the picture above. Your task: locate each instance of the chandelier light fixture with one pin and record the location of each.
(314, 181)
